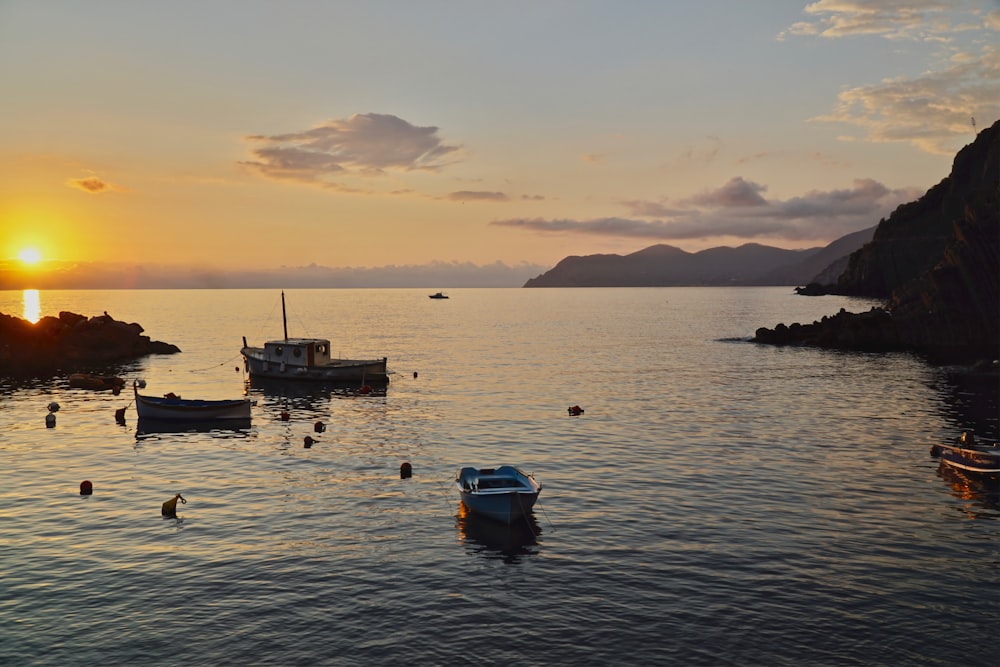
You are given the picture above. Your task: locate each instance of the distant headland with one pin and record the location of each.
(71, 342)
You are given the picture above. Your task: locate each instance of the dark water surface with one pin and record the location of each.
(718, 503)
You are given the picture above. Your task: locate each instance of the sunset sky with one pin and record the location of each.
(242, 133)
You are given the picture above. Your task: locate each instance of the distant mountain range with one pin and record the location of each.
(663, 265)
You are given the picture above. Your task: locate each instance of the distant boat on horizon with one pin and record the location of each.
(437, 295)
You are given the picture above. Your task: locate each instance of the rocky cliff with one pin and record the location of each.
(71, 342)
(936, 262)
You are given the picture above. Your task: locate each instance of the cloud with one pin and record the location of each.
(93, 184)
(931, 111)
(362, 145)
(471, 195)
(892, 19)
(737, 192)
(738, 209)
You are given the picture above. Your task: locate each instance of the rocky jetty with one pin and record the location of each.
(935, 261)
(71, 342)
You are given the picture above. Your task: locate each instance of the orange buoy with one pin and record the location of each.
(308, 441)
(405, 470)
(86, 488)
(319, 427)
(170, 507)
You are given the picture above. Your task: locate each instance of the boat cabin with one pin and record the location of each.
(298, 351)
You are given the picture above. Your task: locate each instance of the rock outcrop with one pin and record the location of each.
(71, 342)
(936, 262)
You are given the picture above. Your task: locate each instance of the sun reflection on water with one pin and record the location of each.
(32, 306)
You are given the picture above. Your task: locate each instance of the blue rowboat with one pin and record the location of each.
(175, 408)
(505, 493)
(969, 454)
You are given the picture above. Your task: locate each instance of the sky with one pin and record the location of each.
(445, 136)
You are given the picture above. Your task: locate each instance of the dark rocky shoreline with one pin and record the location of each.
(71, 342)
(936, 264)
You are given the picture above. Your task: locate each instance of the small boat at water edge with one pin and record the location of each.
(96, 382)
(174, 408)
(969, 454)
(437, 295)
(308, 359)
(504, 493)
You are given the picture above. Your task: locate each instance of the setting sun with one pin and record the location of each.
(30, 256)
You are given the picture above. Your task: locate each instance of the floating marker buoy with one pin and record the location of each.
(405, 470)
(365, 389)
(575, 410)
(86, 488)
(170, 507)
(50, 420)
(120, 415)
(307, 442)
(53, 407)
(141, 383)
(414, 375)
(319, 427)
(285, 416)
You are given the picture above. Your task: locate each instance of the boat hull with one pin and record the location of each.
(151, 408)
(985, 461)
(504, 494)
(335, 371)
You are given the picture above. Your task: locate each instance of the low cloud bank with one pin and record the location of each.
(438, 275)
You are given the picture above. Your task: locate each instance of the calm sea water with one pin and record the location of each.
(718, 503)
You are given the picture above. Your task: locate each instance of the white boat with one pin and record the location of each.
(308, 359)
(969, 454)
(176, 409)
(505, 493)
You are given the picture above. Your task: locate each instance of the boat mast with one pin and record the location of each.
(284, 320)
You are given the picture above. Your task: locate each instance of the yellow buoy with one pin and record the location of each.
(170, 507)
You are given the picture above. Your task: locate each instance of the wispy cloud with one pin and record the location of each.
(738, 209)
(472, 195)
(932, 111)
(362, 145)
(93, 185)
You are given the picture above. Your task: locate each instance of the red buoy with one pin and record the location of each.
(319, 427)
(86, 488)
(405, 471)
(307, 442)
(285, 416)
(365, 389)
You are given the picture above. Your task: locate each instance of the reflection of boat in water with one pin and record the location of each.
(503, 493)
(499, 540)
(308, 359)
(969, 454)
(175, 408)
(225, 428)
(983, 489)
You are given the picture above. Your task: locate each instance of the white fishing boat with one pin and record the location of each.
(505, 493)
(308, 359)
